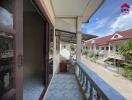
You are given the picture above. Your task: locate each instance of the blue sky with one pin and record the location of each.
(108, 19)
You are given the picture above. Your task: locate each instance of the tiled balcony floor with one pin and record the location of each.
(64, 87)
(33, 88)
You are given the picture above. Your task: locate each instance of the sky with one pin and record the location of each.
(108, 19)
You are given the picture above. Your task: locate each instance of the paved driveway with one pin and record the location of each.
(118, 82)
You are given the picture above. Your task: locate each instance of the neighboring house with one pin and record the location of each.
(107, 45)
(105, 49)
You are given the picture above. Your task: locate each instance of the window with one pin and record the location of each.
(97, 47)
(111, 48)
(107, 48)
(92, 47)
(116, 36)
(102, 48)
(6, 15)
(7, 61)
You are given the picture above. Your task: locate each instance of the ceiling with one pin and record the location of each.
(74, 8)
(70, 37)
(69, 8)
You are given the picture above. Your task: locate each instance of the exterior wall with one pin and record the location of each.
(33, 30)
(48, 10)
(67, 46)
(56, 57)
(64, 50)
(107, 48)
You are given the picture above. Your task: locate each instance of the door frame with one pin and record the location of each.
(18, 26)
(17, 32)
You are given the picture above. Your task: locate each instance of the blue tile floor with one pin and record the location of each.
(33, 88)
(64, 87)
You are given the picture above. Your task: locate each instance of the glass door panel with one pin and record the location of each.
(6, 63)
(6, 13)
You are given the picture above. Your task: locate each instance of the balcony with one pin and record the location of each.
(81, 84)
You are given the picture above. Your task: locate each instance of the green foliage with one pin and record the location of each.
(51, 50)
(91, 54)
(85, 52)
(72, 47)
(128, 69)
(126, 50)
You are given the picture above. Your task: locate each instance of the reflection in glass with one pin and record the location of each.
(6, 62)
(6, 16)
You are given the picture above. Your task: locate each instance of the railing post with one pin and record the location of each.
(98, 97)
(91, 92)
(94, 91)
(86, 85)
(79, 73)
(83, 78)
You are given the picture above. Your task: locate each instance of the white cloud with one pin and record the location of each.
(101, 23)
(122, 22)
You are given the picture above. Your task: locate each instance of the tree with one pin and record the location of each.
(72, 47)
(85, 52)
(51, 50)
(126, 50)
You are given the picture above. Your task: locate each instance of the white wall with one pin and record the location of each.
(48, 9)
(56, 57)
(64, 50)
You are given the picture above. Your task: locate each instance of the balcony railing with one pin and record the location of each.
(93, 86)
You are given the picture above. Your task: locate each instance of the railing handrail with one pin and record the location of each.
(100, 85)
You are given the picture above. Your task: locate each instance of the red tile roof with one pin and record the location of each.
(125, 35)
(89, 43)
(105, 40)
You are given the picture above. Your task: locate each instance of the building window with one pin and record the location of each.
(102, 48)
(111, 48)
(116, 36)
(107, 48)
(117, 49)
(92, 47)
(97, 47)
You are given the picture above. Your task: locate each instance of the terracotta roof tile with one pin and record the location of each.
(125, 35)
(104, 40)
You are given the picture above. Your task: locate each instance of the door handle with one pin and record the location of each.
(20, 60)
